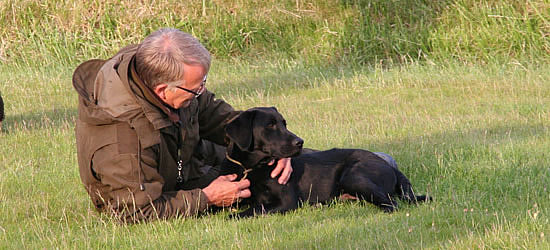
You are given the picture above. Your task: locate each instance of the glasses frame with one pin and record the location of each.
(197, 93)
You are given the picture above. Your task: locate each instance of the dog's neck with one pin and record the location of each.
(247, 160)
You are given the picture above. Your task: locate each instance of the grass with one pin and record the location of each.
(45, 33)
(474, 138)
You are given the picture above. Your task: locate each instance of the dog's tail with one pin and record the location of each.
(405, 191)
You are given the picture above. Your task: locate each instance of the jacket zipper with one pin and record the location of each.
(180, 179)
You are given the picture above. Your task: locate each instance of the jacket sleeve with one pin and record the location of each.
(213, 115)
(121, 178)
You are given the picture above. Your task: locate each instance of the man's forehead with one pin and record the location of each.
(193, 74)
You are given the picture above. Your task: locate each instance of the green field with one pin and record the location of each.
(457, 91)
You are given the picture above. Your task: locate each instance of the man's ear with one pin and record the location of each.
(160, 91)
(239, 130)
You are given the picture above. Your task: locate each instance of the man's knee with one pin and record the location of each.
(387, 158)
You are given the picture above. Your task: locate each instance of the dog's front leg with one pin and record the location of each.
(259, 209)
(285, 198)
(281, 200)
(253, 210)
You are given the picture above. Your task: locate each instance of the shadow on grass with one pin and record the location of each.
(50, 119)
(465, 143)
(277, 81)
(487, 152)
(502, 167)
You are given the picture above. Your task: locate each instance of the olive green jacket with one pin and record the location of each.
(129, 143)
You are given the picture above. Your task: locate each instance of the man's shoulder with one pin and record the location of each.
(84, 77)
(87, 71)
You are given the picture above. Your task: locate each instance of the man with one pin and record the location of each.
(149, 132)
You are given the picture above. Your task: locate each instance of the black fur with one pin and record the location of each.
(259, 135)
(1, 109)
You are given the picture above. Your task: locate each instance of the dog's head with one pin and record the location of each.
(263, 130)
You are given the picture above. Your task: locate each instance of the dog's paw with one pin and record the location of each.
(242, 215)
(235, 216)
(424, 198)
(389, 208)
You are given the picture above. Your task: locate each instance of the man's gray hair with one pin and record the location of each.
(161, 55)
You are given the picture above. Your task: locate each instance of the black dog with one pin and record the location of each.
(259, 135)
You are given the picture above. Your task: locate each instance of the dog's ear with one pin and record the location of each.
(239, 130)
(275, 109)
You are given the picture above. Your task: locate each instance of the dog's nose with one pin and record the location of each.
(298, 142)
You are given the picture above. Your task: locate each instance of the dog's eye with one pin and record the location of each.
(272, 124)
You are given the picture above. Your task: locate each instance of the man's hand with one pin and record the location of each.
(283, 165)
(224, 191)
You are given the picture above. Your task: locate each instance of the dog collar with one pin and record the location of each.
(245, 171)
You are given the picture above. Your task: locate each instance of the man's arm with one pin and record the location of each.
(224, 190)
(122, 179)
(213, 115)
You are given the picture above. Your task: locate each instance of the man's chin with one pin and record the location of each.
(184, 105)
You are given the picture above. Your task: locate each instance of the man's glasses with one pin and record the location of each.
(199, 92)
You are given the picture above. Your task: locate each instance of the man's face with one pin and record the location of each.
(192, 84)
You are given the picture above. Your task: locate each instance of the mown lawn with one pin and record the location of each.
(476, 138)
